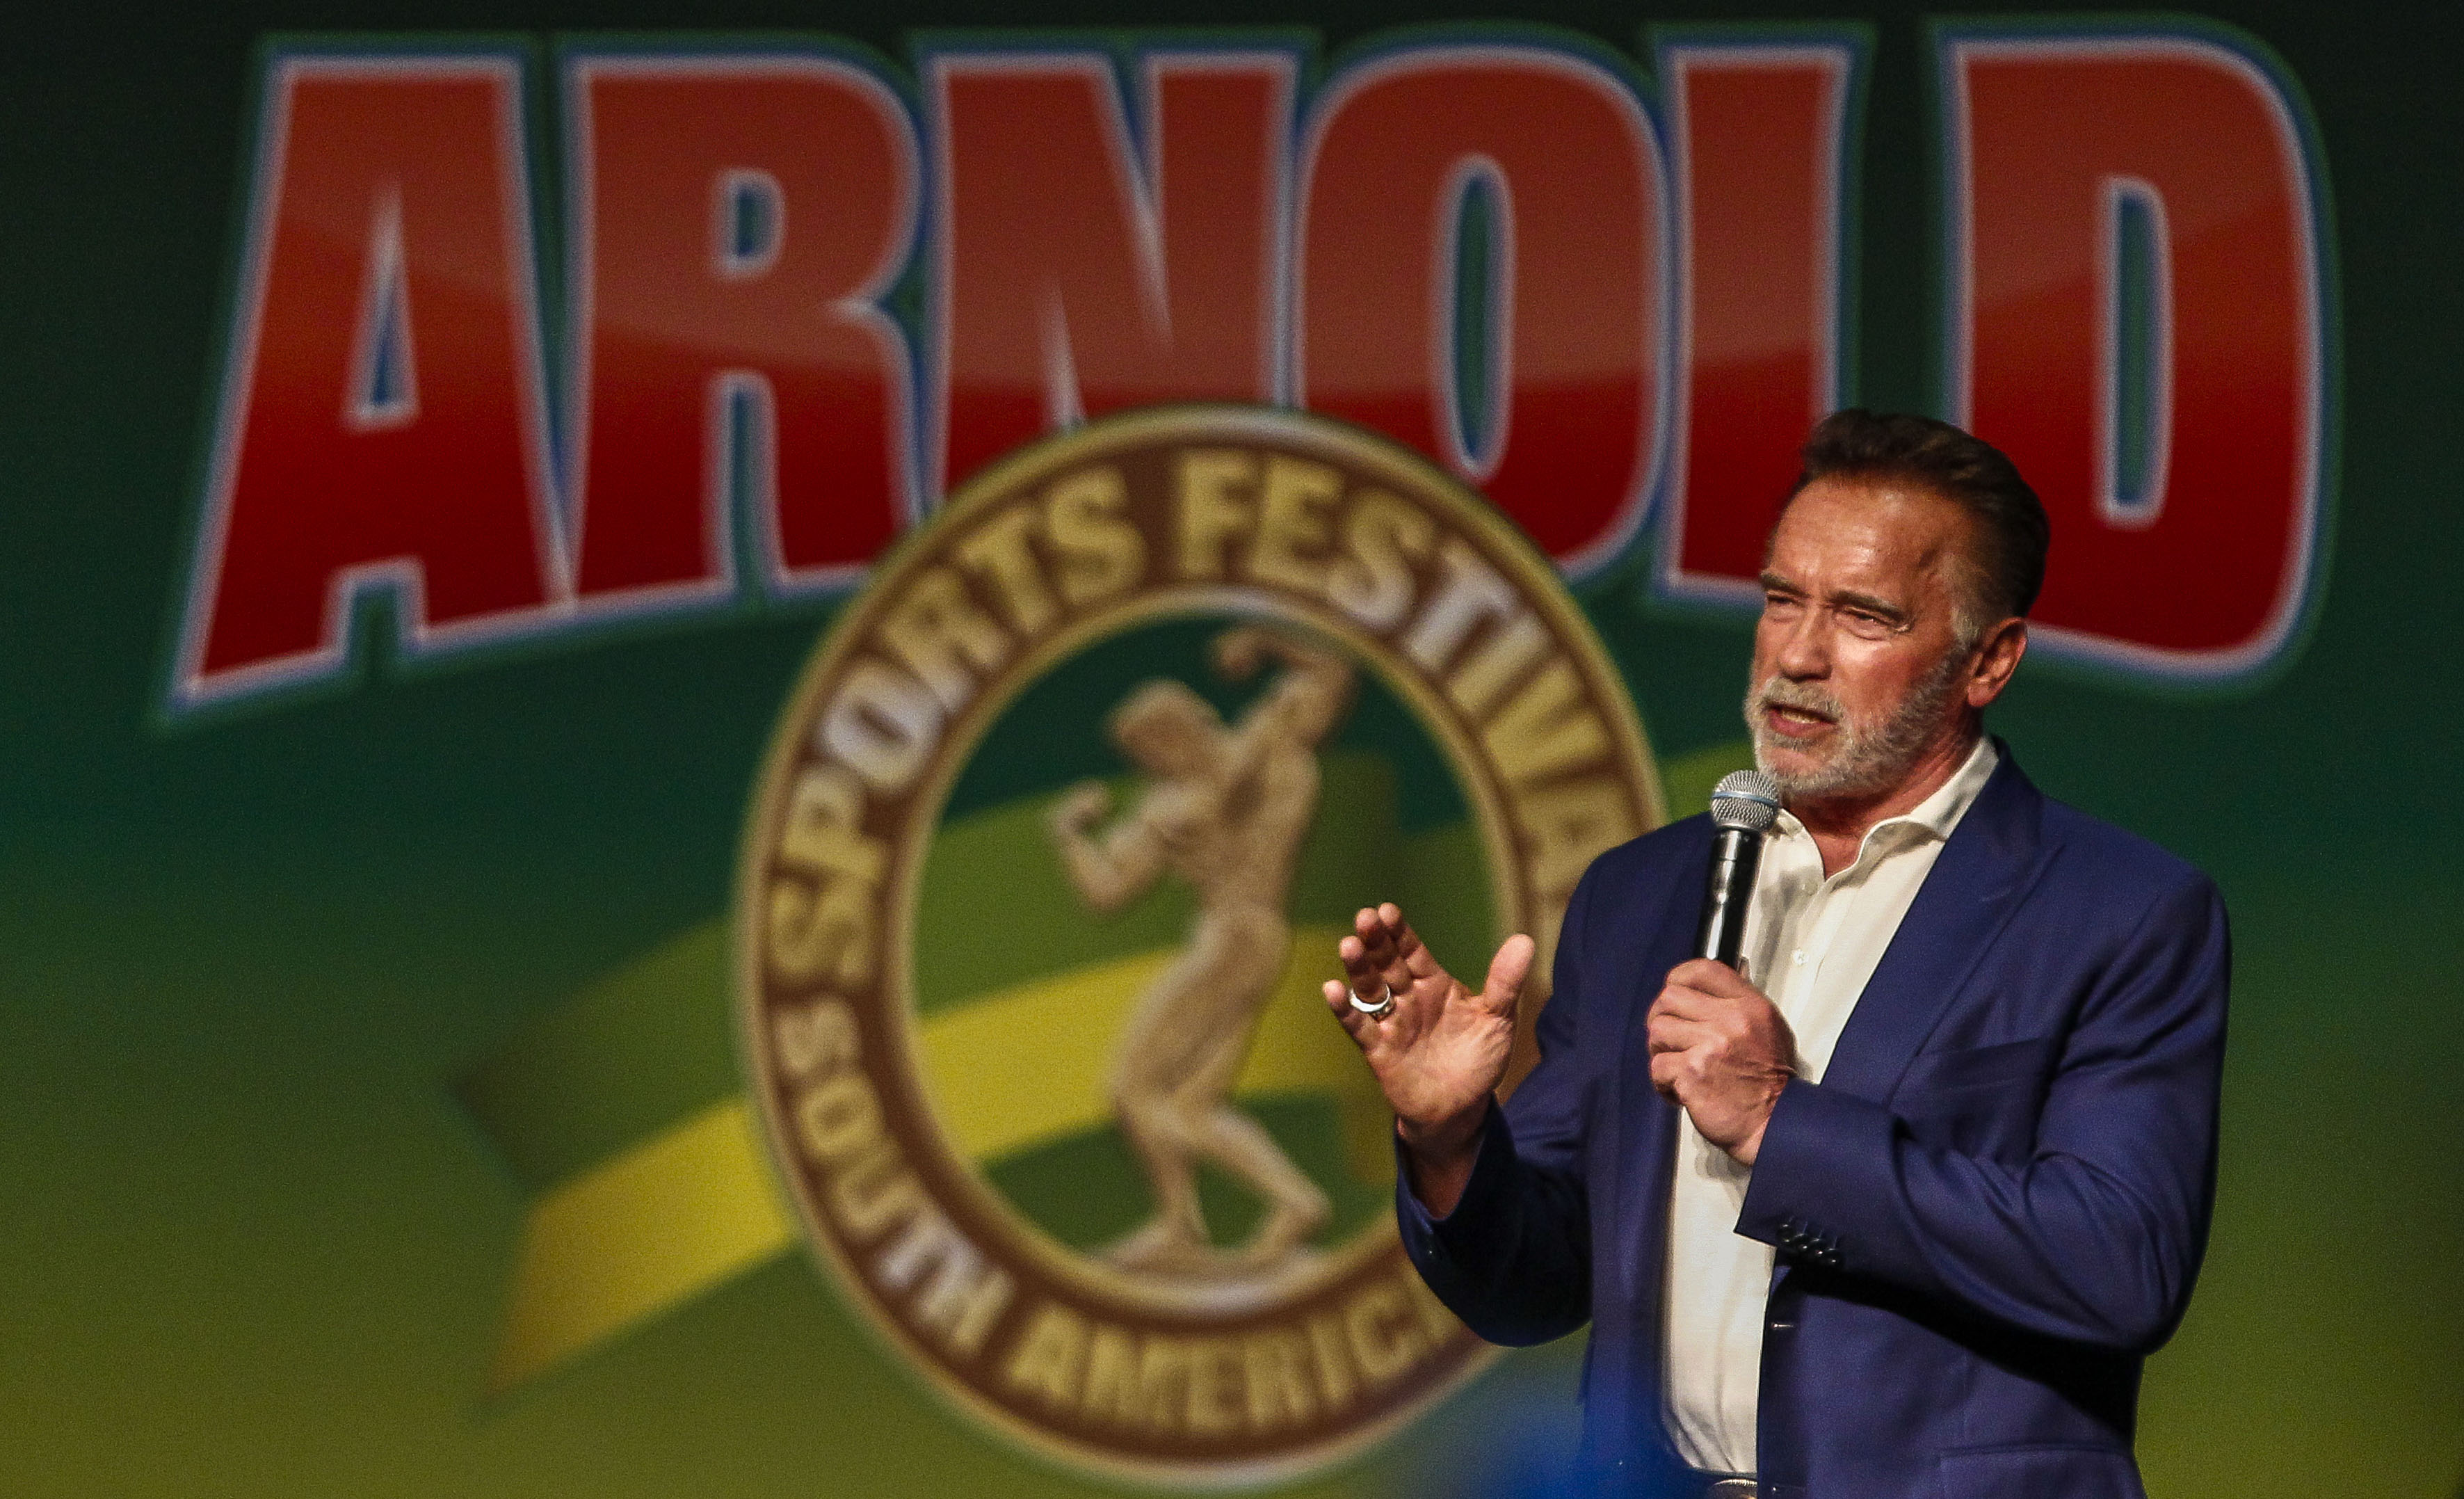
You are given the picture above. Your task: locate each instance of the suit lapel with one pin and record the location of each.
(1993, 857)
(1647, 1123)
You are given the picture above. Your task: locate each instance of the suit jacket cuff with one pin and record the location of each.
(1477, 1214)
(1823, 1180)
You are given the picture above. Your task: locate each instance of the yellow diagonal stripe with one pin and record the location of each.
(1027, 1065)
(662, 1222)
(696, 1205)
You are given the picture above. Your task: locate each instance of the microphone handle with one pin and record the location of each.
(1736, 853)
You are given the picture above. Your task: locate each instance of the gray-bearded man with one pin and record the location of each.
(1904, 1214)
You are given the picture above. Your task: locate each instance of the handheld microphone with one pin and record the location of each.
(1743, 808)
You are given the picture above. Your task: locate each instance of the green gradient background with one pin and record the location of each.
(256, 1247)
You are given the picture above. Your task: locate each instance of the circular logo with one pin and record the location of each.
(1046, 863)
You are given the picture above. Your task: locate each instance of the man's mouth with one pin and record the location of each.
(1794, 721)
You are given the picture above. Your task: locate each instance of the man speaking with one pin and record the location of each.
(1897, 1205)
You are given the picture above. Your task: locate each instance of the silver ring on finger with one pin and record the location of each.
(1383, 1006)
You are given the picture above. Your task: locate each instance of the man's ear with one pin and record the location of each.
(1997, 656)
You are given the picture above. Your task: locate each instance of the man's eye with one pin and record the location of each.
(1774, 603)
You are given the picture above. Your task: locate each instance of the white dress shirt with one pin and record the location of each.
(1810, 943)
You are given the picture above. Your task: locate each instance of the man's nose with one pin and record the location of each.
(1804, 653)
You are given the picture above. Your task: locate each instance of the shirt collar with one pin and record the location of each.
(1937, 814)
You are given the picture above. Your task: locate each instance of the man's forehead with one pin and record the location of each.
(1882, 534)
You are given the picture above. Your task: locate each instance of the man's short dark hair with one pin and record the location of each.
(1968, 472)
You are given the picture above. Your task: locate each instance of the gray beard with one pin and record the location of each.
(1865, 759)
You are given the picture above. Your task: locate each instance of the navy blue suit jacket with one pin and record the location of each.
(1989, 1211)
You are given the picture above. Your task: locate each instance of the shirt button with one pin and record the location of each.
(1800, 957)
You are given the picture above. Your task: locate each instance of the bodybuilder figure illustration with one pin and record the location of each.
(1225, 809)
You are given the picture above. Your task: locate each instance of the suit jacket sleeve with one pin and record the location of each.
(1513, 1259)
(2095, 1235)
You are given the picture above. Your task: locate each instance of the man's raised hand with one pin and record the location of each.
(1441, 1053)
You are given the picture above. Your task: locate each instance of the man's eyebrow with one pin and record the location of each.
(1882, 610)
(1888, 612)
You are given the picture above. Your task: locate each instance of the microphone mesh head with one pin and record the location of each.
(1745, 799)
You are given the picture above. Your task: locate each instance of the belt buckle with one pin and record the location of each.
(1732, 1488)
